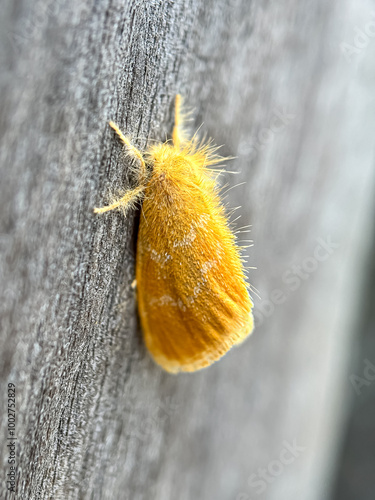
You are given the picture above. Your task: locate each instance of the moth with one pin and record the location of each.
(193, 300)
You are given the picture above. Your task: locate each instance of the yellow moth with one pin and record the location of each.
(192, 296)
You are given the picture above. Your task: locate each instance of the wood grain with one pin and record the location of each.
(96, 419)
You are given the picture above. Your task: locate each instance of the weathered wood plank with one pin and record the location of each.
(95, 417)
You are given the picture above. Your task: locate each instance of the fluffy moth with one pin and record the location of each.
(192, 295)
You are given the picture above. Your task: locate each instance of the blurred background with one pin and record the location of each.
(355, 460)
(287, 89)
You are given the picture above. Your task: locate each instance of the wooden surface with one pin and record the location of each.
(96, 419)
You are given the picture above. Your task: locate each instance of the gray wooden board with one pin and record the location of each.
(272, 82)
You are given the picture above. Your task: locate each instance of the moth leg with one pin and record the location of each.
(127, 201)
(177, 136)
(133, 195)
(133, 151)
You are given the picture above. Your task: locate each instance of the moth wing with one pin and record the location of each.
(192, 296)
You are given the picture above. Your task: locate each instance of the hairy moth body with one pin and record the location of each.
(192, 296)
